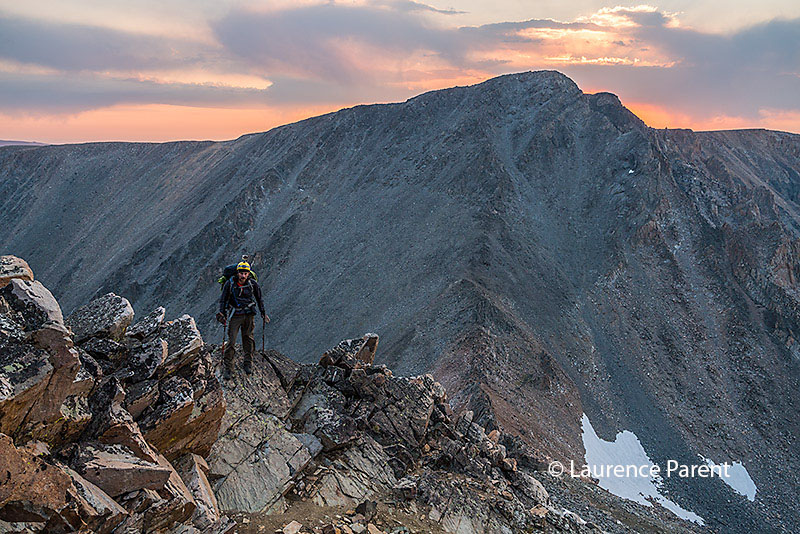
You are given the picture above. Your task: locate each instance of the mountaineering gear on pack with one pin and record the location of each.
(230, 271)
(243, 266)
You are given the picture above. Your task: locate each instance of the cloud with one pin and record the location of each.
(738, 74)
(43, 94)
(334, 42)
(390, 49)
(73, 47)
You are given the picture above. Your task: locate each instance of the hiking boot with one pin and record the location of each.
(248, 364)
(227, 368)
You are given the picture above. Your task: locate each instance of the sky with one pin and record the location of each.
(95, 70)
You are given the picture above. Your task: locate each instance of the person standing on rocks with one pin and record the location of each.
(241, 295)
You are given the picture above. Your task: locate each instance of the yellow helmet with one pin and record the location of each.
(243, 266)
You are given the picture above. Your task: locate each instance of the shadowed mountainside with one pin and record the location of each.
(541, 250)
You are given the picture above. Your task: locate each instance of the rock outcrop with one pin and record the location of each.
(94, 421)
(344, 431)
(127, 429)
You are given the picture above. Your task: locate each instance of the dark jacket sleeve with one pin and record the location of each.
(223, 298)
(257, 293)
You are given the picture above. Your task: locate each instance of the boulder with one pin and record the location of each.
(116, 470)
(36, 354)
(33, 304)
(167, 421)
(352, 353)
(107, 316)
(183, 343)
(141, 396)
(52, 495)
(25, 372)
(145, 359)
(192, 469)
(148, 325)
(177, 504)
(11, 268)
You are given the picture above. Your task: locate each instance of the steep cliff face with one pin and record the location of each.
(541, 250)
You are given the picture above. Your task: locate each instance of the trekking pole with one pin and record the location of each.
(263, 328)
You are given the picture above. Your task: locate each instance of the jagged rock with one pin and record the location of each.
(33, 304)
(253, 464)
(116, 470)
(107, 316)
(145, 360)
(359, 472)
(286, 369)
(75, 417)
(352, 352)
(148, 324)
(183, 343)
(140, 396)
(260, 391)
(321, 412)
(12, 267)
(59, 498)
(112, 424)
(177, 504)
(103, 348)
(192, 469)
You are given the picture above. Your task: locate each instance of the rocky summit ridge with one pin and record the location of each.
(113, 424)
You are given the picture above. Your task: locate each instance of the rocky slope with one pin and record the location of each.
(541, 251)
(110, 425)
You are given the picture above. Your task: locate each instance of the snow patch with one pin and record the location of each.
(738, 478)
(626, 450)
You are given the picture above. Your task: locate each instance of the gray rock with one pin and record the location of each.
(34, 303)
(183, 343)
(12, 267)
(148, 325)
(255, 463)
(145, 360)
(107, 316)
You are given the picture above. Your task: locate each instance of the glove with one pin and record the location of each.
(265, 317)
(221, 318)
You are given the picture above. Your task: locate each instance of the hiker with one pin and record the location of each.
(241, 295)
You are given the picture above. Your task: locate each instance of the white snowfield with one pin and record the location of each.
(738, 478)
(626, 450)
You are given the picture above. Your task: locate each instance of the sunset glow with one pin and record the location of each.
(179, 70)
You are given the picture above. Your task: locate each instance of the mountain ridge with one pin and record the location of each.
(541, 246)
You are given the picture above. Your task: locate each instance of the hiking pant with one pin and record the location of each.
(247, 324)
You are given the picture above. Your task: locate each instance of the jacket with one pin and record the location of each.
(243, 299)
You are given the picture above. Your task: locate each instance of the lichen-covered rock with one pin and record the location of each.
(148, 325)
(25, 372)
(352, 352)
(12, 267)
(144, 360)
(33, 305)
(183, 343)
(107, 316)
